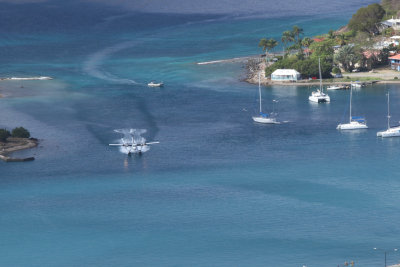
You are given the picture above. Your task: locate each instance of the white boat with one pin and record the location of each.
(357, 85)
(354, 122)
(336, 87)
(333, 87)
(153, 84)
(263, 117)
(391, 131)
(319, 96)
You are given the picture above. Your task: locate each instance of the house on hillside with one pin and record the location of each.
(290, 75)
(371, 58)
(395, 40)
(390, 23)
(395, 62)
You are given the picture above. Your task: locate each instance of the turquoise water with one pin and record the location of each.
(219, 190)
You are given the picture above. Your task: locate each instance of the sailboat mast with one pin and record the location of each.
(320, 76)
(351, 96)
(259, 89)
(388, 116)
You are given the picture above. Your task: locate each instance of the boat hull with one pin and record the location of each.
(265, 120)
(319, 99)
(389, 133)
(352, 126)
(155, 84)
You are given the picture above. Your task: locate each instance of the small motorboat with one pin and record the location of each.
(357, 85)
(333, 87)
(154, 84)
(336, 87)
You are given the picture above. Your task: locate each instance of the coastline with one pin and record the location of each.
(16, 144)
(382, 75)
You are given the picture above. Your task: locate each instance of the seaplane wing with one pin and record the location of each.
(150, 143)
(133, 145)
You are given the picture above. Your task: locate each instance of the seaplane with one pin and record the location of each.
(155, 84)
(133, 142)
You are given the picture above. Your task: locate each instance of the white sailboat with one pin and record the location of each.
(354, 122)
(319, 96)
(263, 117)
(391, 131)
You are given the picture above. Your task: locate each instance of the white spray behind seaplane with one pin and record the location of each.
(133, 141)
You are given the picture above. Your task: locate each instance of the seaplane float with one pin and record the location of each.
(155, 84)
(133, 142)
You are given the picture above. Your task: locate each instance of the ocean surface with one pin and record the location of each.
(219, 190)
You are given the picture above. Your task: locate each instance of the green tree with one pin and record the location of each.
(20, 132)
(307, 67)
(4, 134)
(323, 49)
(296, 32)
(389, 32)
(348, 56)
(267, 45)
(306, 42)
(336, 70)
(287, 37)
(367, 18)
(341, 39)
(331, 34)
(391, 7)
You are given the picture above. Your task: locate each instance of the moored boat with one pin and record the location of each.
(355, 123)
(263, 117)
(319, 96)
(391, 131)
(336, 87)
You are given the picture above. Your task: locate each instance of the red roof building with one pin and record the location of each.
(318, 39)
(395, 62)
(396, 57)
(368, 53)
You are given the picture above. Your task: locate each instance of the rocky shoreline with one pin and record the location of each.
(16, 144)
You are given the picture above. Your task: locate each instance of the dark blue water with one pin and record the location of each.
(219, 190)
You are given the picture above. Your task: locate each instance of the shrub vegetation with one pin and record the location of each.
(20, 132)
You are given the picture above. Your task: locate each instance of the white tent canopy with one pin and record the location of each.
(285, 75)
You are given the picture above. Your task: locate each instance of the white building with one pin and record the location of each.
(286, 75)
(395, 40)
(394, 23)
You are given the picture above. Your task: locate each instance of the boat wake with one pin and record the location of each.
(93, 65)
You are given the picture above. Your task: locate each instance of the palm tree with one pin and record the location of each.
(306, 42)
(348, 56)
(267, 45)
(297, 31)
(263, 43)
(341, 39)
(287, 37)
(331, 34)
